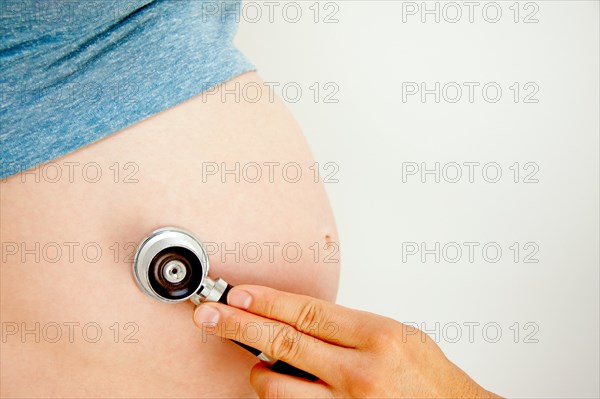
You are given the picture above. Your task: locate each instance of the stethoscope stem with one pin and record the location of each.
(216, 291)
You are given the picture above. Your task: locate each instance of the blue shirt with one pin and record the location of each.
(75, 71)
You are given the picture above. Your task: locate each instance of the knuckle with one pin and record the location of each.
(264, 385)
(364, 387)
(285, 345)
(274, 389)
(268, 308)
(351, 373)
(385, 335)
(310, 315)
(361, 381)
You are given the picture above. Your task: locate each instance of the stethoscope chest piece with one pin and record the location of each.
(171, 265)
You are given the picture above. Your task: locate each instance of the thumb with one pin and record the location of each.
(269, 384)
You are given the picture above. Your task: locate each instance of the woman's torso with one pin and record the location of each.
(160, 172)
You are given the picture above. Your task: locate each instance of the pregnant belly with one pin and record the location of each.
(74, 324)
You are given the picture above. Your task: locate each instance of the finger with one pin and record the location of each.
(324, 320)
(269, 384)
(276, 339)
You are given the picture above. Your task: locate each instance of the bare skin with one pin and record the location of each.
(171, 357)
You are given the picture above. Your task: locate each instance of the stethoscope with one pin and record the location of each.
(171, 265)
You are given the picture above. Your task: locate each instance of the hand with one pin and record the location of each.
(354, 353)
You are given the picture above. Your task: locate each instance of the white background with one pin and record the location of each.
(369, 54)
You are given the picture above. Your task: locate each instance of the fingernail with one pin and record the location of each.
(206, 314)
(239, 298)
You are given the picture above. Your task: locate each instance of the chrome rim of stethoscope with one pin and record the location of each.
(171, 265)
